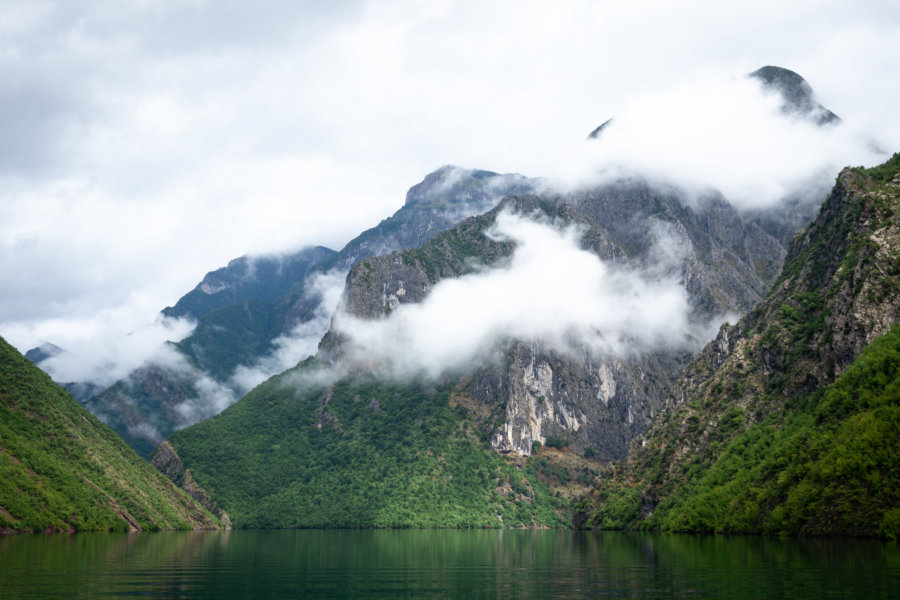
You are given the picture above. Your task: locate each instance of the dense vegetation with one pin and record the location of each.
(365, 453)
(789, 422)
(63, 470)
(826, 463)
(236, 334)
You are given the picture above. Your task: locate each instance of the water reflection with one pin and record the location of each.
(471, 564)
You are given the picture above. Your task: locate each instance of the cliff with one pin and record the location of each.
(786, 422)
(593, 400)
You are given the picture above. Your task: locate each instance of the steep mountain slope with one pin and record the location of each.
(308, 449)
(263, 278)
(592, 400)
(363, 453)
(520, 396)
(243, 311)
(789, 421)
(250, 312)
(441, 200)
(63, 470)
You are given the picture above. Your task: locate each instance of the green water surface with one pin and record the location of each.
(442, 564)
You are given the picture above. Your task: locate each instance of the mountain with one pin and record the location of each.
(441, 200)
(332, 441)
(239, 313)
(796, 94)
(365, 453)
(505, 443)
(264, 278)
(261, 315)
(63, 470)
(43, 352)
(727, 267)
(251, 309)
(797, 98)
(797, 101)
(788, 421)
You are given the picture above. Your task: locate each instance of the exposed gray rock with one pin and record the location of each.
(796, 93)
(725, 262)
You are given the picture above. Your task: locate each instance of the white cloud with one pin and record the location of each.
(147, 143)
(302, 341)
(729, 136)
(96, 350)
(551, 290)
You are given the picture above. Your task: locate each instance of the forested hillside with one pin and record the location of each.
(63, 470)
(789, 422)
(366, 453)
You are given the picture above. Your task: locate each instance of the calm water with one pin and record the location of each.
(442, 564)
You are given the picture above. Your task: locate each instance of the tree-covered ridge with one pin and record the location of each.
(368, 453)
(825, 464)
(771, 429)
(63, 470)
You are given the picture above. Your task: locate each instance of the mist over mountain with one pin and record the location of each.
(786, 423)
(796, 93)
(480, 356)
(555, 320)
(261, 315)
(608, 286)
(264, 278)
(43, 352)
(547, 321)
(600, 294)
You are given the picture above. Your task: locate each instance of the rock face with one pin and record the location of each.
(725, 263)
(797, 94)
(592, 404)
(836, 295)
(166, 460)
(765, 382)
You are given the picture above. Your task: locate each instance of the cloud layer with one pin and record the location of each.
(102, 354)
(729, 136)
(551, 290)
(147, 143)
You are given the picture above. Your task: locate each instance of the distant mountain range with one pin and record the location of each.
(592, 404)
(516, 437)
(245, 309)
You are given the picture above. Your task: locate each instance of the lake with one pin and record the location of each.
(442, 564)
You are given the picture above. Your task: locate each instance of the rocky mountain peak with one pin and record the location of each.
(751, 433)
(43, 352)
(796, 93)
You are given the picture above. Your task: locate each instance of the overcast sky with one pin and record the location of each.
(144, 143)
